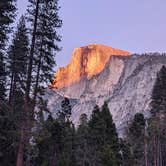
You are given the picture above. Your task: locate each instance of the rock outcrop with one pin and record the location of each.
(125, 82)
(85, 62)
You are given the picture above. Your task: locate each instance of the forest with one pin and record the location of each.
(27, 137)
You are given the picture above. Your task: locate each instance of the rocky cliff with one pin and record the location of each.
(124, 81)
(85, 62)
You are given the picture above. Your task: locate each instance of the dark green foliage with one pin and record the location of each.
(46, 39)
(103, 139)
(157, 121)
(67, 156)
(136, 135)
(8, 136)
(110, 153)
(126, 157)
(2, 78)
(159, 93)
(137, 126)
(65, 112)
(82, 138)
(17, 61)
(54, 144)
(48, 140)
(7, 14)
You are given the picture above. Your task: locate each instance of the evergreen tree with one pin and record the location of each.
(43, 15)
(44, 19)
(157, 121)
(82, 147)
(7, 15)
(65, 112)
(48, 141)
(110, 154)
(103, 139)
(96, 132)
(8, 136)
(67, 153)
(135, 136)
(159, 93)
(17, 60)
(126, 157)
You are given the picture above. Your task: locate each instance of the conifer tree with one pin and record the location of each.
(103, 139)
(48, 141)
(7, 15)
(125, 152)
(96, 139)
(135, 136)
(44, 19)
(157, 121)
(82, 147)
(65, 112)
(8, 136)
(159, 93)
(110, 153)
(43, 15)
(17, 62)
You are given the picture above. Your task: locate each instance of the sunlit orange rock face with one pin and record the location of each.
(86, 62)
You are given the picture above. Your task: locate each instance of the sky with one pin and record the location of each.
(137, 26)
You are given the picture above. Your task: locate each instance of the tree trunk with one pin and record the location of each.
(53, 157)
(37, 81)
(145, 152)
(11, 88)
(21, 143)
(30, 64)
(154, 152)
(20, 149)
(27, 92)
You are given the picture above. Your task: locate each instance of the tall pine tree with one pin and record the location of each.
(135, 137)
(82, 148)
(17, 62)
(157, 121)
(44, 19)
(7, 15)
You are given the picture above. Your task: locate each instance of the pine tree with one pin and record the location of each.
(159, 93)
(96, 140)
(17, 60)
(126, 157)
(8, 136)
(48, 141)
(67, 153)
(7, 15)
(43, 16)
(82, 147)
(65, 112)
(135, 137)
(103, 139)
(110, 153)
(156, 128)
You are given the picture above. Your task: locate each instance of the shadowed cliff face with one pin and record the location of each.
(85, 62)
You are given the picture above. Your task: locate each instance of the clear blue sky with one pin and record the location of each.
(134, 25)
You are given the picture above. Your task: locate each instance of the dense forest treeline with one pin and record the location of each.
(28, 138)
